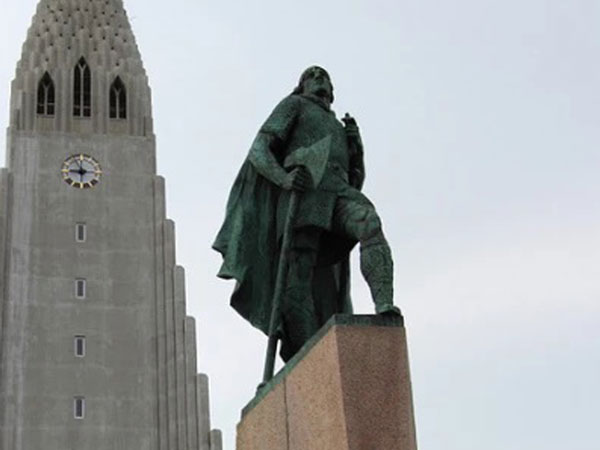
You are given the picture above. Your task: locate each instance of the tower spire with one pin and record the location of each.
(63, 32)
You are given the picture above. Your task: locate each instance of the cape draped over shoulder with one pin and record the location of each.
(249, 239)
(248, 243)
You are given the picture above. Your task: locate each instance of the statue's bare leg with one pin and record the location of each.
(358, 220)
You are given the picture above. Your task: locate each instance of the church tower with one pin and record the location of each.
(96, 350)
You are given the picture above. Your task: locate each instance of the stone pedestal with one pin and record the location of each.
(347, 389)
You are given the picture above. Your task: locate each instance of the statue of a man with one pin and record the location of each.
(331, 219)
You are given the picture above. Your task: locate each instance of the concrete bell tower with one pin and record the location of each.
(96, 350)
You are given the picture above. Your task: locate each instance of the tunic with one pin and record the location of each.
(300, 121)
(249, 239)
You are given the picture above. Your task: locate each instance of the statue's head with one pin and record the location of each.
(316, 81)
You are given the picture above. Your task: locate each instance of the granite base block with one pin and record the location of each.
(347, 389)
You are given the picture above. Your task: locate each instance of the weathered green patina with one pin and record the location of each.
(329, 220)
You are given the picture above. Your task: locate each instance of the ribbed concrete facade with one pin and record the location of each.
(63, 31)
(96, 349)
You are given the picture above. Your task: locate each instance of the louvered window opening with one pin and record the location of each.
(118, 100)
(46, 96)
(82, 90)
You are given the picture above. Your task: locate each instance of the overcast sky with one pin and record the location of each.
(481, 127)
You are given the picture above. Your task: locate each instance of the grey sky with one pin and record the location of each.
(480, 121)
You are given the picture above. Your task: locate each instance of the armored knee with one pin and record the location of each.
(371, 232)
(301, 265)
(303, 256)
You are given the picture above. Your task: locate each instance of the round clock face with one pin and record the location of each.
(81, 171)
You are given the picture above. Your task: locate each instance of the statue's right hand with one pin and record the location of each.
(298, 179)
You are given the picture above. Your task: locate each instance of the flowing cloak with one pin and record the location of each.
(250, 237)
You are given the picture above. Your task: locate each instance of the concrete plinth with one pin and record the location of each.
(347, 389)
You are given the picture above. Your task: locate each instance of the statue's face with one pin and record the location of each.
(316, 82)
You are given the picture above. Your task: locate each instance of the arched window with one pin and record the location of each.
(82, 90)
(118, 100)
(45, 96)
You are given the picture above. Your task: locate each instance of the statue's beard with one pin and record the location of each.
(323, 94)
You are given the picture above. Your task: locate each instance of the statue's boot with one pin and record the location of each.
(378, 269)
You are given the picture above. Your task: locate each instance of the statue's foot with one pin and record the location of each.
(387, 309)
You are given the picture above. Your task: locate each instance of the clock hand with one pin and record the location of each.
(78, 171)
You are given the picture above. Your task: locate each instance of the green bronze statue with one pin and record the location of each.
(294, 214)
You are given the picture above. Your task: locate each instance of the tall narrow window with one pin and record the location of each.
(80, 288)
(45, 96)
(79, 346)
(118, 100)
(82, 90)
(79, 407)
(80, 232)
